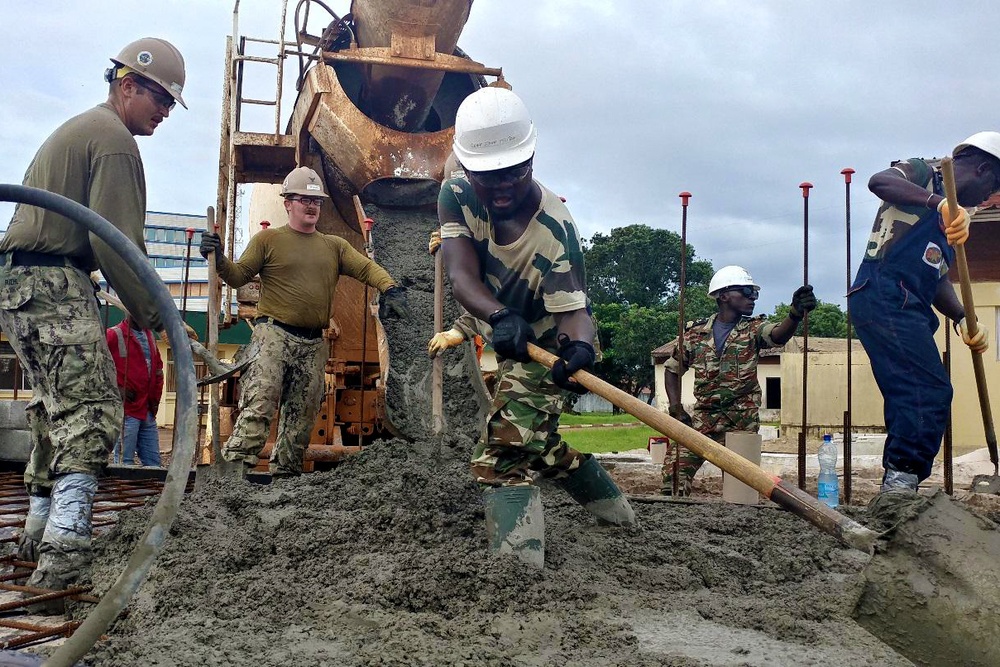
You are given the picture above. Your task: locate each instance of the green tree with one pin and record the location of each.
(639, 266)
(827, 321)
(628, 334)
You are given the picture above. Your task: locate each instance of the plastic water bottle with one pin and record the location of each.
(828, 491)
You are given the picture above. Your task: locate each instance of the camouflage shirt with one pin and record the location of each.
(725, 385)
(540, 273)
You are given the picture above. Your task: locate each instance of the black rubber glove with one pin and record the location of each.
(393, 304)
(210, 242)
(573, 356)
(511, 335)
(680, 414)
(803, 301)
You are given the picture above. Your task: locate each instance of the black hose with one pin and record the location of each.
(151, 544)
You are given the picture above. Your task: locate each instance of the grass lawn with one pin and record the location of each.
(601, 440)
(596, 418)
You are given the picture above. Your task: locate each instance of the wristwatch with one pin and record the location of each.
(499, 314)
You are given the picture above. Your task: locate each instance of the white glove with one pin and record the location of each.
(977, 343)
(443, 341)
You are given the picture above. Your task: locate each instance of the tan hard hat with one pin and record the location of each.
(303, 181)
(157, 60)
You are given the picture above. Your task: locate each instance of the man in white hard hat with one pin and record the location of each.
(513, 256)
(48, 309)
(299, 268)
(723, 351)
(901, 280)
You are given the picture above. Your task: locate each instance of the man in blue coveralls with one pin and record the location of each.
(902, 275)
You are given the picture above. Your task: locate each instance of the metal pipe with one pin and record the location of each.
(848, 427)
(685, 197)
(151, 543)
(806, 186)
(187, 273)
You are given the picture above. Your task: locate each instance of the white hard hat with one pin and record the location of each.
(493, 130)
(157, 60)
(303, 181)
(984, 141)
(730, 276)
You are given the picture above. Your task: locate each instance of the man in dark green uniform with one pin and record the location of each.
(723, 351)
(48, 307)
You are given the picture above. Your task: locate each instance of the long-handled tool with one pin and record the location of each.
(437, 365)
(846, 530)
(982, 483)
(932, 589)
(848, 429)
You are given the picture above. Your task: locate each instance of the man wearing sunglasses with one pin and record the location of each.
(48, 309)
(723, 352)
(514, 260)
(299, 268)
(902, 279)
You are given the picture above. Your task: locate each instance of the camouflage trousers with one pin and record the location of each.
(520, 435)
(51, 319)
(715, 425)
(287, 374)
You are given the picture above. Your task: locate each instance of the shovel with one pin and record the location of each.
(932, 586)
(980, 483)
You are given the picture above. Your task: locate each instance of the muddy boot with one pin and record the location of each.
(31, 536)
(893, 480)
(515, 523)
(65, 548)
(592, 486)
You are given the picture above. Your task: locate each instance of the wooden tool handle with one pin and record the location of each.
(971, 322)
(774, 488)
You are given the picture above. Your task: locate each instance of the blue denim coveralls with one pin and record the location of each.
(890, 303)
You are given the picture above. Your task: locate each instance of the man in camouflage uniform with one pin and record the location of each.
(902, 279)
(48, 307)
(299, 269)
(514, 259)
(723, 351)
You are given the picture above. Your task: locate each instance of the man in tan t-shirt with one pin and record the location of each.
(48, 307)
(299, 268)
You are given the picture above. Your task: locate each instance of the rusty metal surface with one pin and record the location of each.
(364, 151)
(19, 628)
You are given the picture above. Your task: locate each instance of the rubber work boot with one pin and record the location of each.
(893, 480)
(515, 523)
(34, 527)
(592, 486)
(65, 550)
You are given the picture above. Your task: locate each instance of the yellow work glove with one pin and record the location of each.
(956, 224)
(435, 242)
(189, 330)
(443, 341)
(977, 343)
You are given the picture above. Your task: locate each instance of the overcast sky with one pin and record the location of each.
(737, 102)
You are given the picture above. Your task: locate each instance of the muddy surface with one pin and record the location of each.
(933, 591)
(382, 561)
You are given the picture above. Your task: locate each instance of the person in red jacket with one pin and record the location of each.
(140, 380)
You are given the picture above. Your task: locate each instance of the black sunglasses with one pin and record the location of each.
(746, 290)
(506, 176)
(165, 101)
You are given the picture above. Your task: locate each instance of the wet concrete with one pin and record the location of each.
(933, 590)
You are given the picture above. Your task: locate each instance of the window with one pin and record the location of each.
(10, 369)
(772, 393)
(200, 370)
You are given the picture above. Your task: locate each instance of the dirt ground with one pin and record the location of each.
(383, 561)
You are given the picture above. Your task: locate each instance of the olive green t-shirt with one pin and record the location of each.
(299, 273)
(93, 160)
